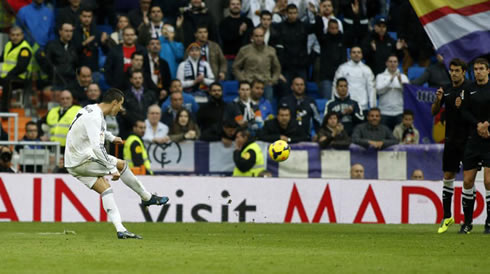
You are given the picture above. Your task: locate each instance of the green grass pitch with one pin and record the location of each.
(241, 248)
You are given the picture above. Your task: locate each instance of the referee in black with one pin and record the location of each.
(455, 138)
(476, 112)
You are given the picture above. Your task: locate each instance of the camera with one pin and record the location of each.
(6, 156)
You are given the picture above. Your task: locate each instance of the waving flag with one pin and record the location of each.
(457, 28)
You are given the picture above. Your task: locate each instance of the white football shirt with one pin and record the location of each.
(86, 138)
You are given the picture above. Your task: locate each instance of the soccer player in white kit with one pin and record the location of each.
(87, 160)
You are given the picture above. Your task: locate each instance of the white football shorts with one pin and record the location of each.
(89, 172)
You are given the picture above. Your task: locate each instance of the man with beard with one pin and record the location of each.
(211, 113)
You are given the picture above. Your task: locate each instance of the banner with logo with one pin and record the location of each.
(61, 198)
(419, 100)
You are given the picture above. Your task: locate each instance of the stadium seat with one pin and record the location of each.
(414, 72)
(312, 90)
(230, 90)
(105, 28)
(321, 105)
(393, 35)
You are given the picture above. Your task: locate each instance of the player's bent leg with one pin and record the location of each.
(103, 187)
(468, 200)
(132, 182)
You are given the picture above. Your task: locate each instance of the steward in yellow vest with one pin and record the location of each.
(17, 65)
(134, 151)
(248, 157)
(60, 118)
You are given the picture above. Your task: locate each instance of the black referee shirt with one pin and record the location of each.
(477, 109)
(456, 131)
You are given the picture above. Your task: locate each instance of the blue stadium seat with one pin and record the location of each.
(230, 90)
(321, 105)
(105, 28)
(312, 90)
(393, 35)
(414, 72)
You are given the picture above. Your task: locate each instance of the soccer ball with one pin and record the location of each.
(279, 151)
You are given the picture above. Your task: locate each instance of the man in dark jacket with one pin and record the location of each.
(302, 107)
(372, 133)
(378, 46)
(157, 71)
(119, 59)
(349, 111)
(282, 128)
(224, 132)
(212, 112)
(136, 103)
(195, 15)
(333, 53)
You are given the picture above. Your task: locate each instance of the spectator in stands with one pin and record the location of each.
(60, 118)
(119, 59)
(417, 175)
(248, 156)
(211, 53)
(195, 74)
(332, 133)
(212, 112)
(235, 31)
(188, 100)
(224, 132)
(357, 171)
(93, 94)
(196, 14)
(258, 61)
(5, 160)
(137, 99)
(405, 132)
(271, 35)
(37, 22)
(136, 63)
(333, 52)
(32, 135)
(253, 8)
(157, 71)
(134, 151)
(156, 131)
(116, 37)
(360, 79)
(88, 39)
(389, 86)
(171, 9)
(325, 14)
(176, 104)
(378, 46)
(140, 15)
(151, 29)
(348, 110)
(172, 51)
(79, 87)
(244, 111)
(303, 108)
(184, 127)
(69, 14)
(62, 58)
(16, 65)
(356, 21)
(372, 133)
(291, 49)
(256, 95)
(436, 75)
(282, 128)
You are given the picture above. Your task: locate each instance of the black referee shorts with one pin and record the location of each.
(452, 157)
(476, 155)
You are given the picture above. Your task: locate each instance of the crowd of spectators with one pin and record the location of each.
(170, 59)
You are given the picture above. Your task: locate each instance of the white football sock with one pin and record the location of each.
(111, 208)
(132, 182)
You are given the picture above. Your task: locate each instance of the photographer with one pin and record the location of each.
(5, 158)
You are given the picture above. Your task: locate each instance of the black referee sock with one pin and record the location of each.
(468, 204)
(447, 197)
(487, 199)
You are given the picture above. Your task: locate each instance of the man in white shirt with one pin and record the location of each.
(360, 79)
(195, 74)
(156, 131)
(389, 86)
(87, 160)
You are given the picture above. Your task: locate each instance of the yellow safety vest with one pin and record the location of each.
(10, 59)
(259, 162)
(60, 126)
(127, 152)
